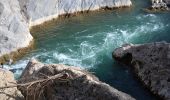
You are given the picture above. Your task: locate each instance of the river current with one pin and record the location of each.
(87, 41)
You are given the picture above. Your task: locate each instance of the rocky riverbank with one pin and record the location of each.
(57, 82)
(160, 5)
(17, 16)
(151, 63)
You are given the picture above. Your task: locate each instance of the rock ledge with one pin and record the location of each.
(151, 63)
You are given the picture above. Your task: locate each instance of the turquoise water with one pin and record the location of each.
(88, 40)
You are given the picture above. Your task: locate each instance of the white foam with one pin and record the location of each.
(87, 54)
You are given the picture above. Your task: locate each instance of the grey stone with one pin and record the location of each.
(12, 93)
(160, 4)
(151, 63)
(167, 2)
(14, 31)
(39, 11)
(80, 85)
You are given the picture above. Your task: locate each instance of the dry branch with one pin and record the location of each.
(37, 86)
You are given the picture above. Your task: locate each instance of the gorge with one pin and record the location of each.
(86, 40)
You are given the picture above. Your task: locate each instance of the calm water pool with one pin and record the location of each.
(88, 40)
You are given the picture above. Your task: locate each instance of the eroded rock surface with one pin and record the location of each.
(7, 79)
(78, 85)
(160, 4)
(151, 63)
(39, 11)
(14, 30)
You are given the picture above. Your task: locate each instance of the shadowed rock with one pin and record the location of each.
(74, 84)
(167, 2)
(151, 63)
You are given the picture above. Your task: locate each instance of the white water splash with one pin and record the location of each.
(88, 54)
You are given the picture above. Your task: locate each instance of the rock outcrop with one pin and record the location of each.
(14, 30)
(160, 4)
(151, 63)
(39, 11)
(12, 93)
(61, 82)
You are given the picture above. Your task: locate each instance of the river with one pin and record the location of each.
(87, 41)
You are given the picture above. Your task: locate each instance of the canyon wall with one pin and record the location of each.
(17, 16)
(39, 11)
(14, 31)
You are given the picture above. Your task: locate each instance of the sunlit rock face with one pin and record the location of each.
(39, 11)
(14, 30)
(7, 80)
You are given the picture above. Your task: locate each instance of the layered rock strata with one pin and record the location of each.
(61, 82)
(151, 63)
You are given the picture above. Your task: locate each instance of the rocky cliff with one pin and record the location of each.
(61, 82)
(14, 30)
(39, 11)
(151, 63)
(17, 16)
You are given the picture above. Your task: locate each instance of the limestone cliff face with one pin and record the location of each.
(14, 31)
(39, 11)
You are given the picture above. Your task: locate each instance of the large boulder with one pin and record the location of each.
(14, 30)
(6, 91)
(151, 63)
(61, 82)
